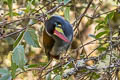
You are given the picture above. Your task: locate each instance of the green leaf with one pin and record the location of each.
(42, 63)
(48, 76)
(13, 68)
(56, 71)
(31, 38)
(37, 65)
(10, 40)
(33, 65)
(101, 34)
(101, 49)
(58, 77)
(6, 77)
(95, 76)
(66, 1)
(10, 7)
(5, 74)
(67, 13)
(100, 21)
(18, 39)
(28, 8)
(98, 27)
(3, 71)
(59, 1)
(18, 56)
(13, 14)
(101, 24)
(91, 35)
(109, 17)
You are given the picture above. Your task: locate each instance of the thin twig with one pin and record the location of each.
(58, 65)
(98, 15)
(82, 15)
(111, 48)
(40, 74)
(13, 33)
(7, 23)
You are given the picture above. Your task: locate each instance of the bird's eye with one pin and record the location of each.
(57, 24)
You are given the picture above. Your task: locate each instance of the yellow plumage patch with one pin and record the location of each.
(59, 29)
(59, 25)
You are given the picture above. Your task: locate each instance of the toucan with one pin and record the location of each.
(57, 36)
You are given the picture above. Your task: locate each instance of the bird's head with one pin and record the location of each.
(54, 26)
(58, 31)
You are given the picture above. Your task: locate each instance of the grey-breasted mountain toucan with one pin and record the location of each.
(57, 36)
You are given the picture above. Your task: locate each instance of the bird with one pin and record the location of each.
(57, 36)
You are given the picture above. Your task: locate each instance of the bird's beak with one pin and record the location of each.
(59, 33)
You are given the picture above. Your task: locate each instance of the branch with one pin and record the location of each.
(13, 33)
(98, 15)
(81, 64)
(39, 18)
(82, 15)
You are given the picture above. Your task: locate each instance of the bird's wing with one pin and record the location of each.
(48, 43)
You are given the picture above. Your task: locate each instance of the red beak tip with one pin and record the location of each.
(61, 36)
